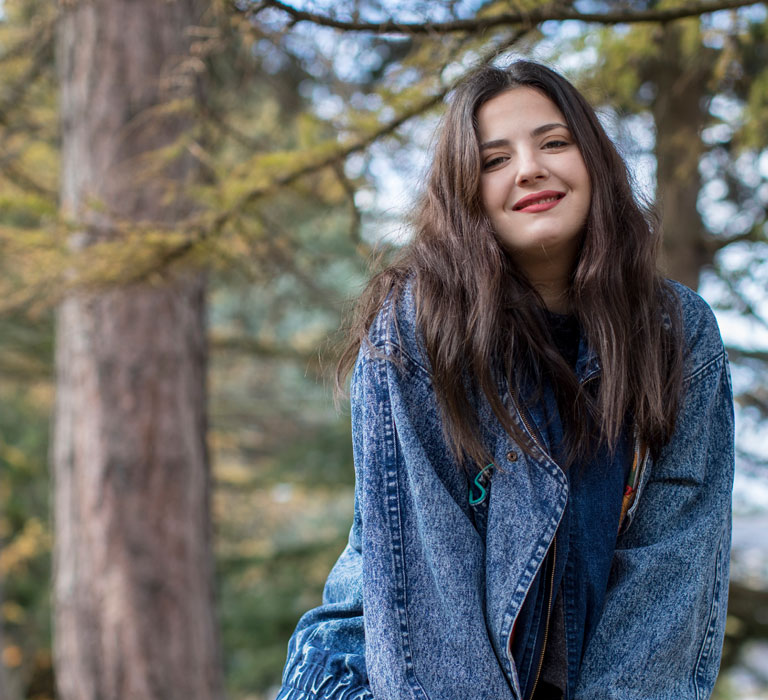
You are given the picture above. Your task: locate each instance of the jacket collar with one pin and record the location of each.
(587, 362)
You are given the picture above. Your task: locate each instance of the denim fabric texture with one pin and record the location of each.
(421, 603)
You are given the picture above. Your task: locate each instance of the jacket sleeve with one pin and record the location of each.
(661, 631)
(326, 653)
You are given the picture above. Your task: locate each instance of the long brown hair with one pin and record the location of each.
(480, 316)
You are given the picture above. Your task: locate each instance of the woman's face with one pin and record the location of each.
(535, 186)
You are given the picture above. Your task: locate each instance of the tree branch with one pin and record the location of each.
(41, 59)
(254, 346)
(739, 354)
(200, 233)
(747, 307)
(323, 296)
(755, 234)
(553, 11)
(196, 233)
(753, 399)
(355, 218)
(18, 177)
(37, 39)
(360, 144)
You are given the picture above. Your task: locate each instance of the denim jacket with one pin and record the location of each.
(421, 603)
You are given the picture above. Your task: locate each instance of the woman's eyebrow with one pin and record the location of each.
(538, 131)
(494, 144)
(548, 127)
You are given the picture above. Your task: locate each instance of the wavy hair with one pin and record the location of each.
(481, 318)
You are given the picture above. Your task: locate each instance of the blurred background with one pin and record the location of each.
(190, 194)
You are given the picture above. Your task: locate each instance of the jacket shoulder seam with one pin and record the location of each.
(705, 367)
(391, 351)
(385, 339)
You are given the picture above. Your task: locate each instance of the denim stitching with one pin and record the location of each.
(409, 367)
(398, 546)
(709, 364)
(538, 557)
(382, 335)
(706, 644)
(697, 375)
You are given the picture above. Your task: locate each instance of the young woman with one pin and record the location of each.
(543, 435)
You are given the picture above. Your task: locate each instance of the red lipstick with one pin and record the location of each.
(538, 201)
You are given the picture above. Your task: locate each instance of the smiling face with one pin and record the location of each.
(534, 186)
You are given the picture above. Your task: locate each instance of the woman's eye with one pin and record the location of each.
(493, 162)
(556, 143)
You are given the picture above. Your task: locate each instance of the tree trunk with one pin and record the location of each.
(133, 573)
(679, 111)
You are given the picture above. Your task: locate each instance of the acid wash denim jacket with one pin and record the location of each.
(421, 605)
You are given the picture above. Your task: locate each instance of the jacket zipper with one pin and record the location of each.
(549, 615)
(533, 433)
(551, 588)
(538, 443)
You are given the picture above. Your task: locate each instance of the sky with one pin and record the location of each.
(398, 174)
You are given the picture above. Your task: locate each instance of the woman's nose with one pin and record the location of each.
(530, 169)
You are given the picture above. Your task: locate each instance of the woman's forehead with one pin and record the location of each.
(522, 111)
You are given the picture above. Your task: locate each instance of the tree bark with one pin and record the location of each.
(679, 111)
(133, 572)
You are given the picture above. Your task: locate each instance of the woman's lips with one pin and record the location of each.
(540, 201)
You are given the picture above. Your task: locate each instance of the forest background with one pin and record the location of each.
(191, 193)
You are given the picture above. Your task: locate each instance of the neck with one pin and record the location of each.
(554, 299)
(552, 286)
(549, 271)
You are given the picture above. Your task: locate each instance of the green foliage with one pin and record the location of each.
(25, 536)
(28, 182)
(279, 225)
(753, 133)
(266, 585)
